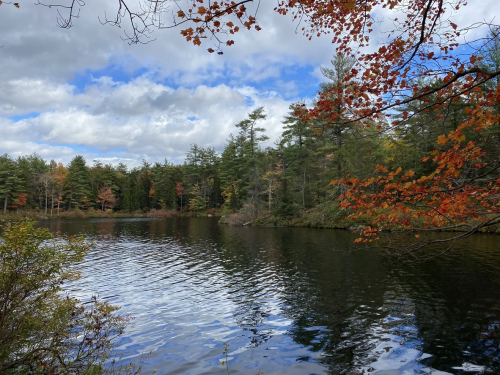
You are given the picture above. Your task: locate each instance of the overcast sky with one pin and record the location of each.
(85, 91)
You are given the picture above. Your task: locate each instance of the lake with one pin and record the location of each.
(289, 300)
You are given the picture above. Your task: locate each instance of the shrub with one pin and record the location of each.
(42, 330)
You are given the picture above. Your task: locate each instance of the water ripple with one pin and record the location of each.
(294, 301)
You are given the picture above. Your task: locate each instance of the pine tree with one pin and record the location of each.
(9, 180)
(78, 181)
(250, 134)
(232, 171)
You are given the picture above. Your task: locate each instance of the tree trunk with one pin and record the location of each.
(46, 201)
(339, 145)
(303, 192)
(255, 191)
(270, 193)
(5, 203)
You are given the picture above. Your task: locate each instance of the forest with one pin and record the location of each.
(284, 181)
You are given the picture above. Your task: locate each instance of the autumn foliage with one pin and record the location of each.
(418, 67)
(106, 197)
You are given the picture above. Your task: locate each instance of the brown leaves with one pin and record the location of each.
(208, 17)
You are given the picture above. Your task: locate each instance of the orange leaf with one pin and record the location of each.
(442, 140)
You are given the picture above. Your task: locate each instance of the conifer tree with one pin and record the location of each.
(9, 180)
(78, 181)
(249, 131)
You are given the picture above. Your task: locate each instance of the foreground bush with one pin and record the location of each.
(42, 330)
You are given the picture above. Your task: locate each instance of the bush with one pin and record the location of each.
(42, 330)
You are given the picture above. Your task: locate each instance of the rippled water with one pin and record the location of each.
(290, 300)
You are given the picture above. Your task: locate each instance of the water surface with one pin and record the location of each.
(289, 300)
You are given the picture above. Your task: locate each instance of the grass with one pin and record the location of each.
(86, 214)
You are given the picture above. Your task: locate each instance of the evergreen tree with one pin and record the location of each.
(10, 182)
(232, 171)
(78, 182)
(249, 132)
(334, 124)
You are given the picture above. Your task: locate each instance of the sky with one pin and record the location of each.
(84, 91)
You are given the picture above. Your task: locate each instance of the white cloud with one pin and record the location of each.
(142, 119)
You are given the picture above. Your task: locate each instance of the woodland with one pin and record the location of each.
(403, 135)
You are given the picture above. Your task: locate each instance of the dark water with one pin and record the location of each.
(290, 300)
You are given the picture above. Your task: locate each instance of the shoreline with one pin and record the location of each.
(80, 214)
(312, 218)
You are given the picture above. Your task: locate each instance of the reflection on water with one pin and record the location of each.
(290, 300)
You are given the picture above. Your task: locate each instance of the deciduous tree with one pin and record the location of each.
(106, 197)
(42, 330)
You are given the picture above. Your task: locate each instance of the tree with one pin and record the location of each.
(334, 92)
(46, 181)
(272, 180)
(60, 174)
(21, 200)
(9, 180)
(197, 203)
(294, 150)
(106, 196)
(249, 133)
(179, 190)
(42, 330)
(233, 167)
(31, 167)
(78, 181)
